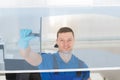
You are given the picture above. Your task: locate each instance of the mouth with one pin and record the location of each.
(66, 48)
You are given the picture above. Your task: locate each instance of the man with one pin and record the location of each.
(62, 59)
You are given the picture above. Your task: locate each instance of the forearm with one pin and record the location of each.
(25, 52)
(31, 57)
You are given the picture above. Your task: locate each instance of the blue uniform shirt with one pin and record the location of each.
(48, 62)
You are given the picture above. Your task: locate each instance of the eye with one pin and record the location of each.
(61, 40)
(69, 40)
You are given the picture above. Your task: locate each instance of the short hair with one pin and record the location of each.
(63, 30)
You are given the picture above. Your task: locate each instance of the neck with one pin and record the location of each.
(66, 56)
(66, 52)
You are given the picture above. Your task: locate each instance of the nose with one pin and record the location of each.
(65, 44)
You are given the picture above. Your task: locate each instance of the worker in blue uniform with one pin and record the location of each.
(62, 59)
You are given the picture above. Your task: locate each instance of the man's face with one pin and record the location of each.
(65, 41)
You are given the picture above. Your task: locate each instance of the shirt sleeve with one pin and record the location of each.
(82, 64)
(47, 61)
(85, 75)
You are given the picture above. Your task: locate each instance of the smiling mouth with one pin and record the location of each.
(66, 48)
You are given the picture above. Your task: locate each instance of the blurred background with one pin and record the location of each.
(95, 23)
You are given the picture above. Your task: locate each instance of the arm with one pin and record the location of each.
(25, 51)
(86, 75)
(31, 57)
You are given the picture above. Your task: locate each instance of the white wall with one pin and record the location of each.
(41, 3)
(86, 26)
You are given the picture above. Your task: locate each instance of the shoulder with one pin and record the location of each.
(81, 63)
(48, 55)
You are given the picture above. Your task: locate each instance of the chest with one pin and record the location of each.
(59, 63)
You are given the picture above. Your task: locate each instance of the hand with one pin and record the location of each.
(25, 38)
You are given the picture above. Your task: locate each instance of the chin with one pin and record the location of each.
(66, 51)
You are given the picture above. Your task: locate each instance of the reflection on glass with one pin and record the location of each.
(89, 40)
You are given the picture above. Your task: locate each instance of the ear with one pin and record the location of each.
(56, 46)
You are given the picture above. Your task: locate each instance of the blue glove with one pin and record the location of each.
(25, 38)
